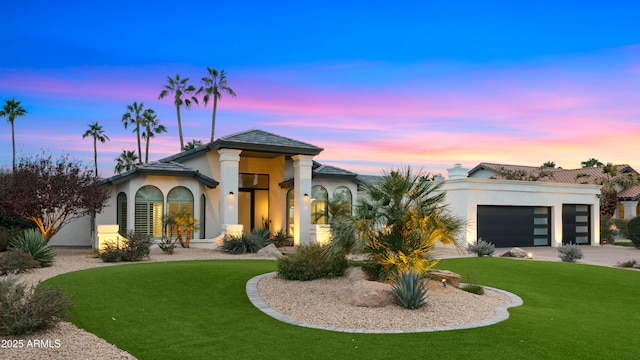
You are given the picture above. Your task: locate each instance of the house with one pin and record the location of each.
(255, 179)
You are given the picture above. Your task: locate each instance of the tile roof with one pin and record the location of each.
(162, 169)
(321, 171)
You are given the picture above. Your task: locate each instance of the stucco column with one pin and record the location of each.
(630, 209)
(302, 199)
(556, 224)
(229, 164)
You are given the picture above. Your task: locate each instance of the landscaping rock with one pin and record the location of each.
(270, 251)
(516, 253)
(450, 277)
(371, 294)
(355, 273)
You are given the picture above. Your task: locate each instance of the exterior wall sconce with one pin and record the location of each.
(230, 193)
(306, 197)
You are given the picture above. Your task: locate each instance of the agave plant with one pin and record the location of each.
(32, 242)
(409, 290)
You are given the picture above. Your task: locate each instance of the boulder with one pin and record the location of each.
(270, 251)
(355, 273)
(450, 277)
(516, 253)
(371, 294)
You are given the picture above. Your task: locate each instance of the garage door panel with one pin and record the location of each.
(509, 226)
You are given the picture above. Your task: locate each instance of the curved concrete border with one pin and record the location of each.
(501, 313)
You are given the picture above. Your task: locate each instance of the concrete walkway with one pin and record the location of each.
(606, 255)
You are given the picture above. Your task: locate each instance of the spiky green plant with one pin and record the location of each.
(409, 290)
(32, 242)
(482, 248)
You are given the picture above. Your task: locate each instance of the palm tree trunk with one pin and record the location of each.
(213, 117)
(13, 146)
(95, 154)
(146, 151)
(179, 127)
(139, 148)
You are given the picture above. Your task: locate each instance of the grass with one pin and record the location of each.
(624, 243)
(199, 309)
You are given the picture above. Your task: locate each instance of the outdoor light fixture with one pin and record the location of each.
(444, 282)
(529, 255)
(230, 193)
(306, 197)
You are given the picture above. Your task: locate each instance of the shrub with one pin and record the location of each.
(246, 243)
(136, 247)
(482, 248)
(16, 261)
(472, 285)
(110, 252)
(281, 238)
(570, 252)
(629, 264)
(310, 262)
(167, 245)
(25, 310)
(32, 242)
(409, 289)
(608, 230)
(234, 244)
(633, 227)
(622, 228)
(6, 236)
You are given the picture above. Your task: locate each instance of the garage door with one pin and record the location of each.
(510, 226)
(576, 224)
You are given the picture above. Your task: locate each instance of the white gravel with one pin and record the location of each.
(315, 302)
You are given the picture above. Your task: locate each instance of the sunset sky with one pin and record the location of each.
(377, 84)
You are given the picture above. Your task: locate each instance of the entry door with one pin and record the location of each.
(253, 208)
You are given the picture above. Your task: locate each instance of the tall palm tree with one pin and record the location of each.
(192, 145)
(12, 110)
(214, 87)
(96, 132)
(126, 161)
(612, 178)
(152, 127)
(133, 116)
(183, 95)
(592, 162)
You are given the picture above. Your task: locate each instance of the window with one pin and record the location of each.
(343, 194)
(121, 216)
(203, 215)
(290, 211)
(319, 202)
(148, 211)
(179, 198)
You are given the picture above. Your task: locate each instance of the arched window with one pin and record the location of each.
(148, 211)
(203, 216)
(179, 198)
(319, 205)
(121, 213)
(290, 212)
(343, 194)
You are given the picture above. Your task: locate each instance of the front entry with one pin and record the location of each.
(253, 201)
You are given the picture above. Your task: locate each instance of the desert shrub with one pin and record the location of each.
(246, 243)
(310, 262)
(281, 238)
(409, 289)
(608, 230)
(622, 228)
(110, 252)
(16, 261)
(167, 245)
(136, 247)
(633, 227)
(628, 264)
(472, 284)
(570, 252)
(24, 310)
(482, 248)
(32, 242)
(6, 236)
(373, 269)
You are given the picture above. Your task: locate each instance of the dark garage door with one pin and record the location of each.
(509, 226)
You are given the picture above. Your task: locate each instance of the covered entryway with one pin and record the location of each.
(509, 226)
(253, 201)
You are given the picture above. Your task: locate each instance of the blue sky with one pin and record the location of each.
(377, 84)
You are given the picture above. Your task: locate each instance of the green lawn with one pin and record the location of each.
(199, 310)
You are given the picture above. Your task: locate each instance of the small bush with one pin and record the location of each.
(16, 261)
(246, 243)
(110, 252)
(281, 238)
(24, 310)
(409, 289)
(6, 236)
(167, 245)
(608, 230)
(136, 247)
(622, 228)
(633, 228)
(234, 244)
(570, 252)
(629, 264)
(482, 248)
(310, 262)
(32, 242)
(474, 289)
(373, 269)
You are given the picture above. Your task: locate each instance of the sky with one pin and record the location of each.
(377, 84)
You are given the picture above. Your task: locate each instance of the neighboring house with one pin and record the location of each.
(239, 182)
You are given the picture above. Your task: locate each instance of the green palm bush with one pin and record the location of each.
(246, 243)
(409, 290)
(32, 242)
(398, 222)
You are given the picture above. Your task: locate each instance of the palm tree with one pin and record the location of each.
(610, 180)
(126, 161)
(183, 94)
(214, 87)
(592, 162)
(12, 110)
(96, 132)
(549, 164)
(398, 223)
(152, 127)
(192, 145)
(134, 117)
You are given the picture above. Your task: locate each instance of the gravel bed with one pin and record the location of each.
(317, 302)
(320, 302)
